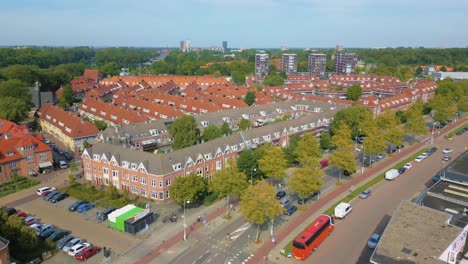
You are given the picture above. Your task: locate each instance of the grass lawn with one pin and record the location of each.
(17, 184)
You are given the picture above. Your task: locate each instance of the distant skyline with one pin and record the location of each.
(242, 23)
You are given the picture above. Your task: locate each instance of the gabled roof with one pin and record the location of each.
(67, 122)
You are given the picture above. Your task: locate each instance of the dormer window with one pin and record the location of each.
(133, 166)
(96, 157)
(9, 153)
(153, 132)
(205, 123)
(177, 166)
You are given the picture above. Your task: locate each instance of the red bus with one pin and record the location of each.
(312, 237)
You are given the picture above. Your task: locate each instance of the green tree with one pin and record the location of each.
(415, 124)
(211, 132)
(274, 80)
(110, 69)
(68, 94)
(184, 132)
(100, 124)
(375, 140)
(247, 162)
(244, 124)
(258, 204)
(353, 117)
(13, 109)
(289, 150)
(62, 102)
(16, 89)
(343, 156)
(443, 107)
(192, 188)
(229, 182)
(306, 181)
(112, 193)
(250, 98)
(273, 163)
(308, 151)
(325, 141)
(389, 124)
(354, 92)
(225, 129)
(238, 77)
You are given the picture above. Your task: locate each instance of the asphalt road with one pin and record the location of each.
(348, 243)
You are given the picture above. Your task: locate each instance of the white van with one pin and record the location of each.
(392, 174)
(342, 210)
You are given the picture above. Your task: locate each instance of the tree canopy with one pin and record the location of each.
(354, 92)
(211, 132)
(192, 188)
(273, 162)
(184, 132)
(353, 117)
(250, 98)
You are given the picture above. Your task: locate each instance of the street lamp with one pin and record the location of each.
(185, 226)
(252, 170)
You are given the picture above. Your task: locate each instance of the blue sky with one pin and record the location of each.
(243, 23)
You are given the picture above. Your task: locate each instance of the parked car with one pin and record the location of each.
(373, 240)
(77, 248)
(37, 227)
(446, 158)
(62, 164)
(424, 155)
(365, 194)
(408, 166)
(436, 178)
(290, 210)
(87, 252)
(71, 244)
(285, 202)
(40, 191)
(447, 150)
(348, 173)
(58, 197)
(303, 201)
(323, 163)
(21, 214)
(62, 242)
(58, 234)
(76, 204)
(381, 156)
(47, 232)
(50, 195)
(84, 207)
(10, 211)
(433, 149)
(30, 220)
(401, 170)
(280, 194)
(419, 158)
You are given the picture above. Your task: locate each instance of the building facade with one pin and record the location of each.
(22, 153)
(345, 63)
(225, 47)
(317, 65)
(66, 127)
(185, 45)
(289, 63)
(262, 62)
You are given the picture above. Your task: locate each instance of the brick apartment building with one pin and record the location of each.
(66, 127)
(21, 153)
(150, 175)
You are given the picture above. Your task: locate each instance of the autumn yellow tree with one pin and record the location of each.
(273, 162)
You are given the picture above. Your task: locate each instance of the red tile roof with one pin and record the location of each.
(67, 122)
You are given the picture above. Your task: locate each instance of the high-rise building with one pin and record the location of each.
(339, 47)
(261, 64)
(225, 45)
(185, 45)
(345, 63)
(284, 47)
(317, 64)
(289, 63)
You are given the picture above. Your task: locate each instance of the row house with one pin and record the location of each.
(149, 175)
(110, 113)
(66, 127)
(151, 109)
(22, 153)
(157, 80)
(153, 134)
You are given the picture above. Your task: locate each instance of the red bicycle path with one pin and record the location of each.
(259, 256)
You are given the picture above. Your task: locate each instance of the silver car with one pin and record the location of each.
(365, 194)
(373, 240)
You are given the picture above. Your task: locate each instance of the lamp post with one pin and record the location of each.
(252, 170)
(185, 226)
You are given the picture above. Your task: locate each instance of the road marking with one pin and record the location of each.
(239, 231)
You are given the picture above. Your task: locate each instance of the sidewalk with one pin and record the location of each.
(293, 228)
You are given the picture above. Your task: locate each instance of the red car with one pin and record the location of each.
(87, 252)
(21, 214)
(323, 163)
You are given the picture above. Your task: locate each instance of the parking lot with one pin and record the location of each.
(85, 225)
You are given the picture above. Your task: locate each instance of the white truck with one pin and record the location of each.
(342, 209)
(392, 174)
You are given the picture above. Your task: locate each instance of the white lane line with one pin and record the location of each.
(235, 234)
